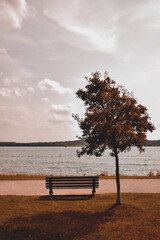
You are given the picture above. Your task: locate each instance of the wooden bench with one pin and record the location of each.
(83, 182)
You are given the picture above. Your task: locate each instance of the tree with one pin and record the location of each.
(113, 120)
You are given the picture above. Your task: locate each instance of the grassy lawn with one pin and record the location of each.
(40, 218)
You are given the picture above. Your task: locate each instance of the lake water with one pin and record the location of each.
(64, 161)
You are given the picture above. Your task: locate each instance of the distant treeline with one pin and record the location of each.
(152, 143)
(44, 144)
(62, 144)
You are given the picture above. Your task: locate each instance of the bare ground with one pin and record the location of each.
(37, 187)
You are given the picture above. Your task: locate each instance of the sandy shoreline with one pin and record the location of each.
(37, 187)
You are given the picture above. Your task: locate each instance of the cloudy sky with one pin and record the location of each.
(47, 47)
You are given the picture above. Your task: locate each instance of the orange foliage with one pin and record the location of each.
(112, 119)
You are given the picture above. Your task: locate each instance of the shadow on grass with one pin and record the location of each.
(66, 197)
(65, 225)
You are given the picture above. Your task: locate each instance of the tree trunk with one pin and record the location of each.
(117, 177)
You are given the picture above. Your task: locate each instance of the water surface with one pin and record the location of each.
(64, 161)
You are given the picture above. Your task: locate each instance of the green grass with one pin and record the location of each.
(42, 177)
(38, 218)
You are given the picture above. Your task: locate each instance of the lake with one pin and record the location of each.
(64, 161)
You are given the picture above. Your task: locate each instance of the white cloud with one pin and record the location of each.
(17, 92)
(12, 67)
(88, 26)
(6, 92)
(103, 41)
(21, 110)
(3, 51)
(12, 13)
(15, 79)
(61, 109)
(55, 119)
(8, 122)
(6, 81)
(60, 113)
(30, 89)
(149, 10)
(16, 109)
(45, 99)
(48, 84)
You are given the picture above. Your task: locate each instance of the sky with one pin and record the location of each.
(47, 47)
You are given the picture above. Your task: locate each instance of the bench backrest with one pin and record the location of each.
(82, 182)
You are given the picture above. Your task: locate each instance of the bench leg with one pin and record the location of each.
(51, 192)
(94, 189)
(93, 192)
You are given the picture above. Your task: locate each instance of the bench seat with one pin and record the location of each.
(81, 182)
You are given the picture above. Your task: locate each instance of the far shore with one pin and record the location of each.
(42, 177)
(73, 143)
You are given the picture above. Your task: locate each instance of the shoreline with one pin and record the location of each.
(42, 177)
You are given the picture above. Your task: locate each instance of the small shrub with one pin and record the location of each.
(113, 175)
(150, 174)
(103, 174)
(158, 174)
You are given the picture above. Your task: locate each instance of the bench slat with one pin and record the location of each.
(66, 185)
(71, 179)
(73, 182)
(90, 187)
(81, 177)
(70, 182)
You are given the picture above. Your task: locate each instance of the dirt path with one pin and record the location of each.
(37, 187)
